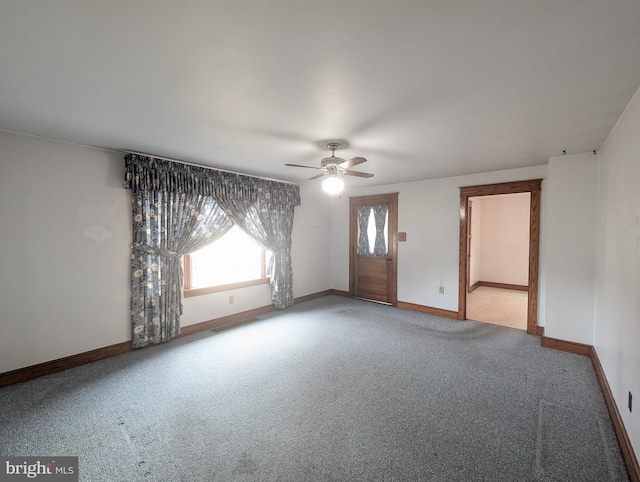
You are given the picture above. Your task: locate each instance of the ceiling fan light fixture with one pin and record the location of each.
(333, 166)
(332, 185)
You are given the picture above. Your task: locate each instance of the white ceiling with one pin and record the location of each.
(422, 88)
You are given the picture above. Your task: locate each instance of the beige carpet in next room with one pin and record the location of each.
(498, 306)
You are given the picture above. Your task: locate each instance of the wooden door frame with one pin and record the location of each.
(469, 242)
(354, 203)
(531, 186)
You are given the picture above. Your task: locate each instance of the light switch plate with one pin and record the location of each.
(402, 237)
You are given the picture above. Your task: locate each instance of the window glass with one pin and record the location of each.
(371, 233)
(231, 259)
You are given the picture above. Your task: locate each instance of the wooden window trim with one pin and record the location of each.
(189, 292)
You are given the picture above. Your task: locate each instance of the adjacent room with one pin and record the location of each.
(320, 241)
(498, 254)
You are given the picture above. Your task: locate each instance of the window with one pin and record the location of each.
(233, 261)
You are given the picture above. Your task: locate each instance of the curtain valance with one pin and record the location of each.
(152, 174)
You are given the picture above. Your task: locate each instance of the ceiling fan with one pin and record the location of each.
(332, 166)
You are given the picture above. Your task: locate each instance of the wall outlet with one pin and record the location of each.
(231, 300)
(629, 404)
(441, 290)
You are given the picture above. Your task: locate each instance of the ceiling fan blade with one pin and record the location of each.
(318, 175)
(352, 162)
(300, 165)
(356, 173)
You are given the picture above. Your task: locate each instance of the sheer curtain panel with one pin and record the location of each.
(270, 225)
(380, 216)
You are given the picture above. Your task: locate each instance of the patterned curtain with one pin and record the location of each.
(363, 239)
(166, 226)
(177, 209)
(380, 216)
(270, 225)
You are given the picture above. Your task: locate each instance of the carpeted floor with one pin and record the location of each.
(333, 389)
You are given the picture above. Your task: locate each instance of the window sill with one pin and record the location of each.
(217, 289)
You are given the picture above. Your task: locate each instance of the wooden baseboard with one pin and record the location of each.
(244, 316)
(474, 286)
(340, 293)
(538, 331)
(504, 286)
(313, 296)
(568, 346)
(428, 309)
(47, 368)
(225, 322)
(628, 454)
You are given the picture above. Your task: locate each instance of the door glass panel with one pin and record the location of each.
(371, 232)
(373, 235)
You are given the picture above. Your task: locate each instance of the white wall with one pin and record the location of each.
(569, 245)
(617, 310)
(65, 231)
(428, 211)
(311, 249)
(64, 250)
(503, 238)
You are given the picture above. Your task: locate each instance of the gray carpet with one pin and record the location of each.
(330, 390)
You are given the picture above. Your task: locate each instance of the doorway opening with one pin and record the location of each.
(498, 259)
(466, 193)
